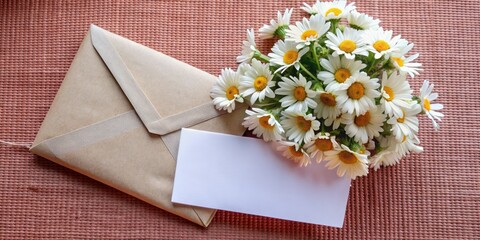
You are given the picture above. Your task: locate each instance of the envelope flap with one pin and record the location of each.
(146, 78)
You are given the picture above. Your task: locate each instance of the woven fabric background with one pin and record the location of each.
(433, 195)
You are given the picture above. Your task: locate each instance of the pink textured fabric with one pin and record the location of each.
(431, 195)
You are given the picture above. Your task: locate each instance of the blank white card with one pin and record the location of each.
(247, 175)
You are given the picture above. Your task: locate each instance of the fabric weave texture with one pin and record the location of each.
(432, 195)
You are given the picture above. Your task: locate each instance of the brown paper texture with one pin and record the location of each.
(117, 115)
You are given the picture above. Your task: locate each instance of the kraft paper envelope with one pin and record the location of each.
(117, 115)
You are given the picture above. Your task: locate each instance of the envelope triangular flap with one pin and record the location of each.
(87, 95)
(166, 93)
(155, 72)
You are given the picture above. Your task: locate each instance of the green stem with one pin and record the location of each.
(307, 72)
(373, 65)
(377, 72)
(314, 54)
(280, 32)
(333, 25)
(277, 75)
(263, 58)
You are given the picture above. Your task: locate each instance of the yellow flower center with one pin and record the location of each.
(390, 93)
(399, 61)
(231, 92)
(347, 157)
(342, 74)
(328, 99)
(335, 11)
(362, 120)
(303, 124)
(404, 138)
(264, 122)
(426, 104)
(290, 57)
(309, 33)
(402, 119)
(299, 93)
(323, 144)
(356, 90)
(347, 46)
(260, 83)
(294, 151)
(381, 46)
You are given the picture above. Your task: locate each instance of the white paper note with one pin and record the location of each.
(247, 175)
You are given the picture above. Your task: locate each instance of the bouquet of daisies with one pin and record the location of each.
(333, 88)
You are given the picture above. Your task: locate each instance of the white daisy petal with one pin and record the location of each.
(348, 43)
(407, 123)
(307, 31)
(263, 125)
(336, 9)
(358, 87)
(299, 126)
(347, 162)
(381, 43)
(364, 127)
(292, 151)
(226, 91)
(249, 48)
(362, 21)
(396, 93)
(339, 69)
(257, 81)
(321, 143)
(297, 93)
(285, 55)
(425, 96)
(271, 30)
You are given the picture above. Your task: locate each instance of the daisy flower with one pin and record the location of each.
(285, 54)
(381, 43)
(347, 162)
(396, 93)
(300, 127)
(327, 106)
(362, 21)
(384, 158)
(338, 69)
(334, 122)
(348, 43)
(407, 123)
(297, 92)
(334, 10)
(426, 96)
(249, 48)
(257, 81)
(276, 28)
(321, 143)
(293, 152)
(242, 68)
(312, 10)
(307, 31)
(404, 64)
(357, 94)
(406, 145)
(225, 92)
(364, 127)
(263, 125)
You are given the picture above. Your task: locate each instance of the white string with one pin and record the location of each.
(22, 145)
